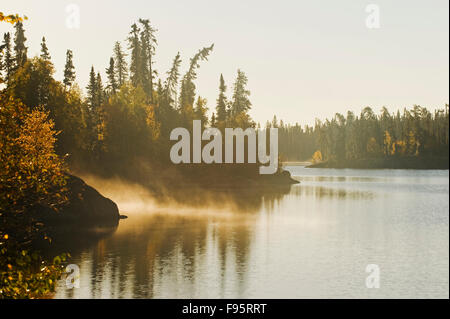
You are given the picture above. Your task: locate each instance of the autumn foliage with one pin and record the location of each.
(31, 174)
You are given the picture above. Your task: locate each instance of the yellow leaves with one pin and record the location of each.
(153, 124)
(399, 148)
(387, 144)
(29, 165)
(12, 18)
(317, 157)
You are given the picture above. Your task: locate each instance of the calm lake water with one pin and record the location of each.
(314, 240)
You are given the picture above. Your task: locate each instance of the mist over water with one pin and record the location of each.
(312, 240)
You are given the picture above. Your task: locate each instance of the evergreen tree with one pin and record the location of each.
(8, 60)
(110, 72)
(33, 84)
(136, 69)
(241, 102)
(99, 116)
(221, 107)
(20, 49)
(160, 92)
(92, 90)
(167, 96)
(44, 50)
(100, 92)
(200, 111)
(187, 94)
(213, 120)
(120, 65)
(1, 64)
(69, 70)
(170, 85)
(148, 47)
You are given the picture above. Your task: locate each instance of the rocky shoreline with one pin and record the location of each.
(85, 207)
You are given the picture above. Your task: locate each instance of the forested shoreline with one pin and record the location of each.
(125, 120)
(119, 128)
(121, 125)
(391, 140)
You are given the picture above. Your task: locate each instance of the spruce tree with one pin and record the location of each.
(100, 93)
(44, 50)
(120, 65)
(69, 70)
(170, 85)
(92, 90)
(99, 115)
(221, 107)
(187, 94)
(20, 49)
(148, 47)
(200, 111)
(1, 64)
(213, 120)
(110, 72)
(8, 60)
(136, 70)
(241, 101)
(159, 91)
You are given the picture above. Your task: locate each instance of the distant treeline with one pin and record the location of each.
(415, 132)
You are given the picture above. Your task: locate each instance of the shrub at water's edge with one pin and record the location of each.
(35, 190)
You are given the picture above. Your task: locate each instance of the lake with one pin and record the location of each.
(313, 240)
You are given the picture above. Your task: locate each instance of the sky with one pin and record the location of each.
(304, 59)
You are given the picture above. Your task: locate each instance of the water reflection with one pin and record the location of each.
(320, 192)
(149, 251)
(340, 179)
(236, 199)
(309, 240)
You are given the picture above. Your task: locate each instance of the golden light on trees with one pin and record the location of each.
(11, 18)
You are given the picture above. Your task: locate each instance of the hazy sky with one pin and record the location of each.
(304, 59)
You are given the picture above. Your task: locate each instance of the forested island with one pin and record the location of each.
(120, 127)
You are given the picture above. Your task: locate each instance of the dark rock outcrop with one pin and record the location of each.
(87, 204)
(282, 177)
(85, 207)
